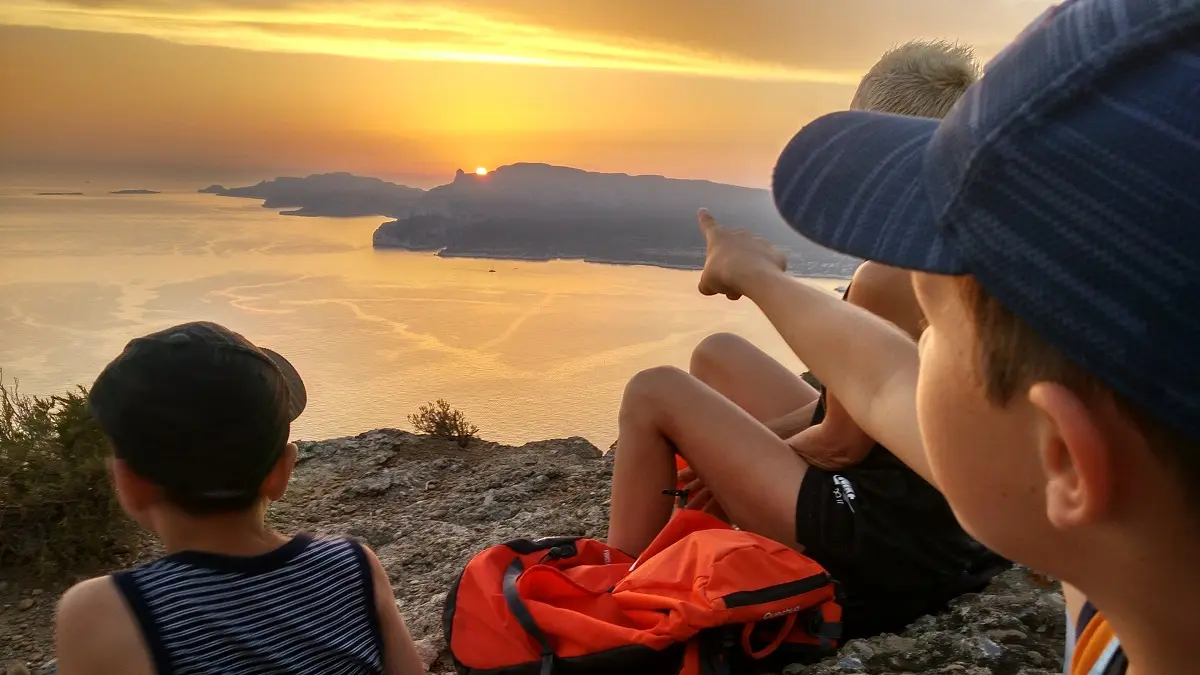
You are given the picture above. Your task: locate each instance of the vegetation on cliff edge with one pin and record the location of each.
(58, 512)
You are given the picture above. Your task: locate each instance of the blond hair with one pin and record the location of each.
(920, 78)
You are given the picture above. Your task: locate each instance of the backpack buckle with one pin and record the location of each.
(562, 551)
(682, 495)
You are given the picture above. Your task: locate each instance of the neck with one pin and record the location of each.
(239, 534)
(1152, 611)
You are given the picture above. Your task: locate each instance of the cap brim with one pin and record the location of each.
(852, 182)
(297, 394)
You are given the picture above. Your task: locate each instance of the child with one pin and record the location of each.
(883, 532)
(199, 419)
(918, 78)
(1055, 396)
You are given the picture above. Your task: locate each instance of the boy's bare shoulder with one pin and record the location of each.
(873, 274)
(95, 631)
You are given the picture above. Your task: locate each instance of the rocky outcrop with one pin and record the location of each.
(541, 212)
(529, 211)
(335, 195)
(425, 506)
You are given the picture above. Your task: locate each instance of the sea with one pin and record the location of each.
(527, 350)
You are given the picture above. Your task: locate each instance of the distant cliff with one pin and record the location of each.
(543, 212)
(336, 195)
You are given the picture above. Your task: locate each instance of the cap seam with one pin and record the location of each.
(1055, 93)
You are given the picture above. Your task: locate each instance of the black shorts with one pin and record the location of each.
(889, 538)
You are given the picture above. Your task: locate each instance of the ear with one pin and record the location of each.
(135, 494)
(1077, 457)
(276, 483)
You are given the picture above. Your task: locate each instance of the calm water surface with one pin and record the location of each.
(529, 350)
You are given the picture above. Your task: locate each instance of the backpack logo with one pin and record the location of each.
(783, 612)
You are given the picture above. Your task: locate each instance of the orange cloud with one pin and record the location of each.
(413, 32)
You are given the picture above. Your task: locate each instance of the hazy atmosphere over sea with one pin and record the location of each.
(173, 97)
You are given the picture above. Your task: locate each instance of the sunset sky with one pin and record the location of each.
(413, 89)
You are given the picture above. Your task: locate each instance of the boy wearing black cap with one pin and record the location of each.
(200, 419)
(1053, 226)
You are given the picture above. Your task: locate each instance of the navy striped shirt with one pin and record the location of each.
(306, 607)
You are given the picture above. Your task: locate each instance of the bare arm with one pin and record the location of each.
(870, 362)
(887, 293)
(94, 633)
(399, 653)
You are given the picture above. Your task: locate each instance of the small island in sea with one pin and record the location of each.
(529, 211)
(135, 192)
(60, 194)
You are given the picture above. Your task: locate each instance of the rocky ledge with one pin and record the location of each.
(425, 506)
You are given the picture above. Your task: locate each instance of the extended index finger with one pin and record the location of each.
(707, 222)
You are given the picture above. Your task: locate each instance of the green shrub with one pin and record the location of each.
(58, 513)
(439, 419)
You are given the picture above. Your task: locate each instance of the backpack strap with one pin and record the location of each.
(512, 597)
(829, 633)
(763, 653)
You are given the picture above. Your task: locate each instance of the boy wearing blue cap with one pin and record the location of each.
(1052, 222)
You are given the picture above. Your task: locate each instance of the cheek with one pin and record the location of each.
(959, 435)
(980, 457)
(940, 411)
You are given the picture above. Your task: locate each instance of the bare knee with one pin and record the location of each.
(715, 355)
(651, 385)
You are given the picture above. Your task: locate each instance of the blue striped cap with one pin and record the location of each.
(1067, 181)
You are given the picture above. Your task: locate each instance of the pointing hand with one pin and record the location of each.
(733, 256)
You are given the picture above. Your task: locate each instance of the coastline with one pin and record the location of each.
(304, 212)
(613, 262)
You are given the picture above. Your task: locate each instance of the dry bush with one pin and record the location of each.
(440, 420)
(58, 513)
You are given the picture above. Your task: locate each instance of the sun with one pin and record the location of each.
(481, 171)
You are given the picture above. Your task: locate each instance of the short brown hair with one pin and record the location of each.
(920, 78)
(1012, 357)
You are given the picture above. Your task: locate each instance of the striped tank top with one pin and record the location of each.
(305, 608)
(1092, 647)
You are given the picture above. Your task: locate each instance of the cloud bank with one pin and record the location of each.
(413, 31)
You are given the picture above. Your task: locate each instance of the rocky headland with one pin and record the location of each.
(529, 211)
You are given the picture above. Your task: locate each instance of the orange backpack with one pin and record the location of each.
(703, 598)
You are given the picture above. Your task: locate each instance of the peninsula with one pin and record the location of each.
(532, 211)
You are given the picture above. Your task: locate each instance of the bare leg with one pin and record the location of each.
(746, 375)
(752, 473)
